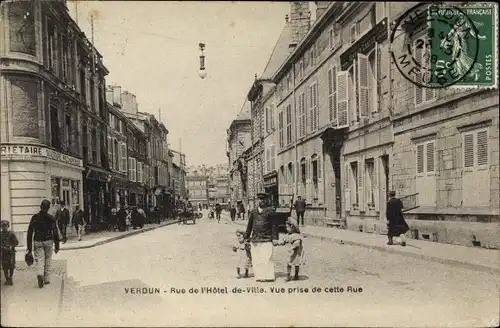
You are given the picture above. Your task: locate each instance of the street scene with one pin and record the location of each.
(94, 293)
(247, 163)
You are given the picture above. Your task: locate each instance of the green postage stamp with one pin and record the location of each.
(463, 44)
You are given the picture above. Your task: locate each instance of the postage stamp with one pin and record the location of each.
(448, 45)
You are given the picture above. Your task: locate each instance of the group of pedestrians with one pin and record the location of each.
(61, 214)
(255, 246)
(126, 217)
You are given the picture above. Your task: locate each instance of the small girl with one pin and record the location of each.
(296, 249)
(9, 242)
(245, 257)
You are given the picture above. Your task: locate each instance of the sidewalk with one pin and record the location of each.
(104, 237)
(475, 258)
(25, 304)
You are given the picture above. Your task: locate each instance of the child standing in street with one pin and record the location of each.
(296, 249)
(9, 242)
(244, 255)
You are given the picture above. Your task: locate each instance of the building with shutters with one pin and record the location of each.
(53, 113)
(446, 150)
(238, 140)
(117, 150)
(197, 186)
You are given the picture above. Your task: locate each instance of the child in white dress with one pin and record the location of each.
(244, 255)
(296, 249)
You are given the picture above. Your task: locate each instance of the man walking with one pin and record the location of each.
(397, 225)
(300, 208)
(42, 230)
(63, 221)
(78, 221)
(262, 232)
(233, 213)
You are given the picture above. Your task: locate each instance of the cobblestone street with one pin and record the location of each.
(396, 290)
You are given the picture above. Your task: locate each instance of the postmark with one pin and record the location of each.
(439, 45)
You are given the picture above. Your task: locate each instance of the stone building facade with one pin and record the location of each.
(348, 128)
(53, 114)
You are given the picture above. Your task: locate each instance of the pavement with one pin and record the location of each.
(487, 260)
(98, 238)
(156, 278)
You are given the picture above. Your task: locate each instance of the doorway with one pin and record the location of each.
(385, 179)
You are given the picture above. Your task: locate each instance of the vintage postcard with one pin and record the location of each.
(249, 164)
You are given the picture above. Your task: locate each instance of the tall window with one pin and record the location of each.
(67, 131)
(132, 169)
(94, 146)
(280, 129)
(422, 56)
(303, 173)
(289, 124)
(313, 107)
(117, 153)
(85, 141)
(315, 171)
(52, 46)
(426, 179)
(354, 184)
(332, 95)
(370, 182)
(54, 127)
(475, 168)
(302, 115)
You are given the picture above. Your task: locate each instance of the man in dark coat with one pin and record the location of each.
(63, 220)
(397, 225)
(262, 232)
(300, 209)
(42, 234)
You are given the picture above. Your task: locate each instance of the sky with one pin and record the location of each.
(151, 50)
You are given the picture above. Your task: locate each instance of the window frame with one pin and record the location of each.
(425, 157)
(475, 150)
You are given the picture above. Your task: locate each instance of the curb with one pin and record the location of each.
(133, 233)
(435, 259)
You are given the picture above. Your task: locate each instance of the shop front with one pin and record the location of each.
(118, 187)
(97, 198)
(271, 187)
(31, 173)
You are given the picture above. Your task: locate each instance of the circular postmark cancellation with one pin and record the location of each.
(434, 46)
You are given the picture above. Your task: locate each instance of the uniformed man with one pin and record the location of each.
(262, 232)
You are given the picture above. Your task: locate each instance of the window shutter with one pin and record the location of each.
(430, 157)
(124, 157)
(346, 188)
(110, 152)
(320, 182)
(376, 192)
(363, 93)
(377, 95)
(420, 158)
(468, 149)
(332, 96)
(482, 147)
(316, 107)
(130, 169)
(419, 96)
(343, 100)
(361, 182)
(311, 109)
(268, 159)
(273, 158)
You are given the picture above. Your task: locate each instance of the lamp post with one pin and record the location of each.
(202, 73)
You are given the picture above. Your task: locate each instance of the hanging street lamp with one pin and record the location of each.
(202, 73)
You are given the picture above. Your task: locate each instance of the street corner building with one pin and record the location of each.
(332, 119)
(64, 134)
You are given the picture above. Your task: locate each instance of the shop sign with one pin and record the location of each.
(29, 150)
(271, 180)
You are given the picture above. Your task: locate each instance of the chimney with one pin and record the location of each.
(109, 94)
(321, 7)
(117, 95)
(300, 20)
